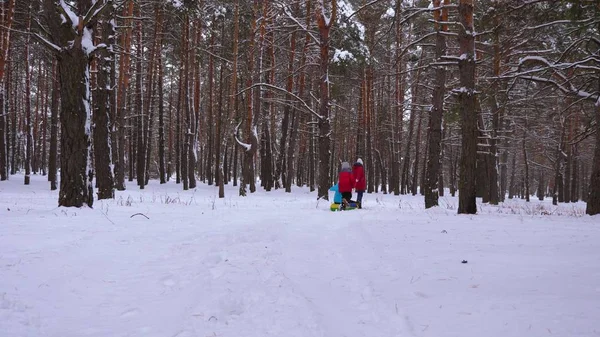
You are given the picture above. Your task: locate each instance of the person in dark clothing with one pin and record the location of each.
(360, 183)
(346, 184)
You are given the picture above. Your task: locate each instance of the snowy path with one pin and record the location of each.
(273, 264)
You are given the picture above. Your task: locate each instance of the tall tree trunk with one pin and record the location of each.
(568, 160)
(466, 65)
(14, 123)
(161, 125)
(280, 166)
(192, 107)
(122, 99)
(73, 65)
(52, 165)
(593, 201)
(219, 141)
(3, 133)
(513, 182)
(212, 139)
(415, 175)
(141, 112)
(252, 116)
(526, 179)
(28, 123)
(575, 175)
(101, 119)
(406, 171)
(155, 53)
(294, 116)
(437, 110)
(232, 107)
(44, 111)
(398, 107)
(6, 20)
(184, 106)
(324, 108)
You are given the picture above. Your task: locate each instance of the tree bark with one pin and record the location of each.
(466, 96)
(28, 122)
(162, 173)
(141, 113)
(526, 180)
(122, 100)
(101, 119)
(323, 121)
(593, 200)
(73, 65)
(52, 165)
(437, 110)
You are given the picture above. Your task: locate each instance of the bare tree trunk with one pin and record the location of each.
(161, 125)
(252, 116)
(155, 54)
(415, 175)
(575, 175)
(232, 108)
(13, 127)
(294, 117)
(52, 166)
(437, 110)
(593, 201)
(406, 159)
(541, 186)
(466, 65)
(184, 103)
(28, 123)
(324, 108)
(141, 112)
(44, 111)
(6, 20)
(526, 161)
(280, 166)
(122, 100)
(73, 65)
(513, 182)
(212, 139)
(192, 107)
(101, 119)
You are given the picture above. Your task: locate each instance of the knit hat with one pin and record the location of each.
(359, 161)
(345, 165)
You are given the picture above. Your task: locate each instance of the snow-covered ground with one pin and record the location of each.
(277, 264)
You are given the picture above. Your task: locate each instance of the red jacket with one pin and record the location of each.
(359, 175)
(346, 181)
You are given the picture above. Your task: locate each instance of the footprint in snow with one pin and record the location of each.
(130, 313)
(168, 281)
(420, 294)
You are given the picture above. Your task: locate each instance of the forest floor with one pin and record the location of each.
(165, 262)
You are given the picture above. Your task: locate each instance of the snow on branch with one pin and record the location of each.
(248, 147)
(560, 22)
(97, 8)
(47, 43)
(425, 10)
(299, 24)
(68, 14)
(565, 86)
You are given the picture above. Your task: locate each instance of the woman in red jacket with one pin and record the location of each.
(360, 184)
(346, 183)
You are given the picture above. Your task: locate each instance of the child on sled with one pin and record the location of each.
(344, 187)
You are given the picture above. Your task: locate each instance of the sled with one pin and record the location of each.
(336, 207)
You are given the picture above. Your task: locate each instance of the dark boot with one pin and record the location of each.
(344, 204)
